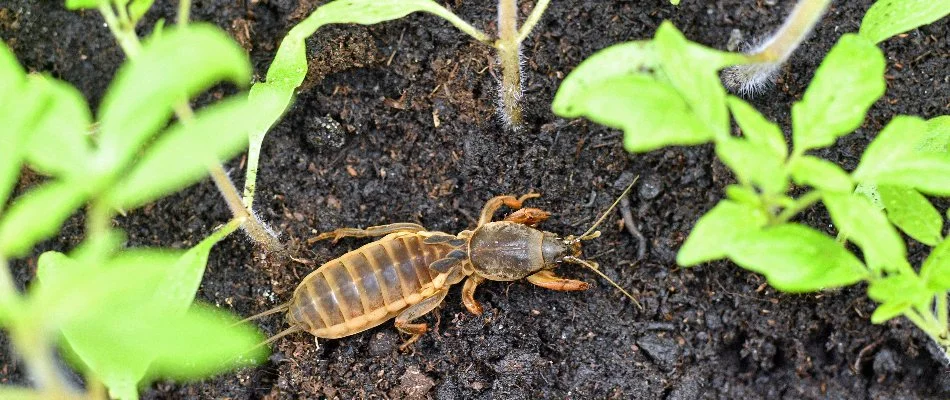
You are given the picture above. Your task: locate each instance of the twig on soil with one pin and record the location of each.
(632, 228)
(857, 363)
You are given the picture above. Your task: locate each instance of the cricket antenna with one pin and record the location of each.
(593, 267)
(591, 233)
(275, 310)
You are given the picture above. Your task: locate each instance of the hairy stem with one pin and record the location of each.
(770, 55)
(509, 55)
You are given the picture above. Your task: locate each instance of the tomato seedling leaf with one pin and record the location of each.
(717, 230)
(887, 18)
(912, 213)
(893, 158)
(867, 226)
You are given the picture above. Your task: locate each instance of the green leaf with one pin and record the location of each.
(935, 271)
(37, 215)
(866, 226)
(144, 92)
(893, 159)
(870, 192)
(820, 174)
(848, 82)
(796, 258)
(912, 213)
(888, 18)
(937, 139)
(9, 392)
(675, 2)
(651, 114)
(620, 60)
(12, 107)
(84, 4)
(138, 8)
(203, 342)
(754, 163)
(757, 129)
(694, 71)
(744, 195)
(58, 144)
(717, 230)
(897, 293)
(182, 155)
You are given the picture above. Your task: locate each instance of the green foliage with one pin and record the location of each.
(125, 315)
(848, 82)
(887, 18)
(666, 92)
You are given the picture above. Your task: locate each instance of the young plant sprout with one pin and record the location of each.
(767, 57)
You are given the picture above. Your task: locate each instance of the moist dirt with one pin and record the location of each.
(396, 123)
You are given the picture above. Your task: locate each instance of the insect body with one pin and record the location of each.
(408, 272)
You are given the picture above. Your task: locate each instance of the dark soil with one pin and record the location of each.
(419, 142)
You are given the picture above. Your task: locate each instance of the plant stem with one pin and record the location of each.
(251, 224)
(509, 55)
(129, 42)
(532, 20)
(801, 204)
(941, 305)
(184, 12)
(783, 43)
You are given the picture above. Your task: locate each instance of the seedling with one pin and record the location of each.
(666, 92)
(287, 72)
(123, 316)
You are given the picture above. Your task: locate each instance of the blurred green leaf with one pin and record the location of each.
(755, 163)
(893, 158)
(694, 71)
(717, 231)
(8, 392)
(84, 4)
(203, 342)
(888, 18)
(744, 195)
(757, 129)
(820, 174)
(796, 258)
(620, 60)
(142, 95)
(937, 139)
(138, 8)
(869, 191)
(867, 226)
(912, 213)
(897, 293)
(58, 144)
(13, 104)
(181, 156)
(37, 215)
(935, 271)
(848, 82)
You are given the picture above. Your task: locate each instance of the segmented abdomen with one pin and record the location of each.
(365, 287)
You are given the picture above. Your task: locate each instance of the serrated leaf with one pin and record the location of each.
(753, 163)
(183, 153)
(820, 174)
(694, 71)
(142, 95)
(37, 215)
(893, 159)
(848, 82)
(717, 230)
(912, 213)
(619, 60)
(796, 258)
(866, 226)
(935, 271)
(58, 144)
(888, 18)
(756, 128)
(651, 114)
